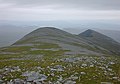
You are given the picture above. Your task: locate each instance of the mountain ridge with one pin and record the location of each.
(52, 35)
(63, 39)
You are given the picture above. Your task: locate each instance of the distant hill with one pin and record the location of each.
(88, 42)
(114, 34)
(101, 40)
(11, 33)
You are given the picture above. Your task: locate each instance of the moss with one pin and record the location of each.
(16, 49)
(47, 46)
(50, 59)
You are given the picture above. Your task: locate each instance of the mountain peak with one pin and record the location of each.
(88, 33)
(89, 30)
(47, 28)
(46, 31)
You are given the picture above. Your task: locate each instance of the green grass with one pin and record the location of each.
(47, 46)
(50, 58)
(16, 49)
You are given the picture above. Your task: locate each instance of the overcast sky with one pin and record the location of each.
(47, 10)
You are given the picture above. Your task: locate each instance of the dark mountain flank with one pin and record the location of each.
(101, 40)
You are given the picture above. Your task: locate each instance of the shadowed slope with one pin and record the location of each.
(101, 40)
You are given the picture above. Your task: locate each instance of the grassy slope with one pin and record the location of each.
(94, 75)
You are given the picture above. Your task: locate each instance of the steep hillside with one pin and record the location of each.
(99, 39)
(114, 34)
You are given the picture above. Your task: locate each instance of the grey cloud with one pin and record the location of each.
(59, 9)
(78, 4)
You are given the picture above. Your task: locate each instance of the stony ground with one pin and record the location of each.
(50, 65)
